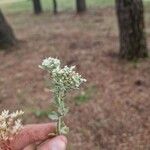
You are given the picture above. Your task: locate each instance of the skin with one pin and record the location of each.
(38, 133)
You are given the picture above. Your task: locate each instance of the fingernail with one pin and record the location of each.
(59, 143)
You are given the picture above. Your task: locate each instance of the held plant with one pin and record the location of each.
(10, 125)
(63, 80)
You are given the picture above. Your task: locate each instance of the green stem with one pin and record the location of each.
(59, 123)
(59, 126)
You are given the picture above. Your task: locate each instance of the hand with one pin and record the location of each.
(31, 134)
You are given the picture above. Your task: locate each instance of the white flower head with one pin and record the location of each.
(10, 124)
(66, 78)
(62, 78)
(5, 114)
(17, 114)
(50, 63)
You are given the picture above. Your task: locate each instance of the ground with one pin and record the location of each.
(111, 112)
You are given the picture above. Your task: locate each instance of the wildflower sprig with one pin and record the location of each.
(10, 124)
(63, 80)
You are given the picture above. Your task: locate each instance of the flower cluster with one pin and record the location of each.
(66, 78)
(63, 80)
(50, 64)
(10, 124)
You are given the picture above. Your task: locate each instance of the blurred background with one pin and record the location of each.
(112, 110)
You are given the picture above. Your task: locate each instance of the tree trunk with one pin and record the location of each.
(81, 6)
(37, 6)
(55, 7)
(131, 25)
(7, 37)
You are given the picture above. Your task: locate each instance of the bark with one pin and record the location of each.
(131, 26)
(55, 7)
(81, 6)
(37, 6)
(7, 37)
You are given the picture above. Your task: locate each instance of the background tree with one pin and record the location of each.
(7, 37)
(131, 26)
(37, 6)
(55, 7)
(81, 6)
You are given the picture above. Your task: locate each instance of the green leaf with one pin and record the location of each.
(41, 113)
(66, 110)
(53, 115)
(64, 130)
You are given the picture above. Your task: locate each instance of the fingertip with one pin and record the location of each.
(57, 143)
(63, 138)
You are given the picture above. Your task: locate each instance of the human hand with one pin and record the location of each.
(31, 134)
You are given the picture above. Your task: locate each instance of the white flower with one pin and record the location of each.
(67, 78)
(63, 79)
(10, 124)
(3, 126)
(5, 114)
(17, 114)
(50, 63)
(17, 126)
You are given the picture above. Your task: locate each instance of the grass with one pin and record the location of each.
(85, 96)
(15, 6)
(26, 5)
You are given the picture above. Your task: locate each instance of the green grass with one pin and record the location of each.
(26, 5)
(63, 5)
(85, 96)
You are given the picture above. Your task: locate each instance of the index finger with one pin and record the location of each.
(32, 133)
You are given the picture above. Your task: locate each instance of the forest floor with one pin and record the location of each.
(112, 111)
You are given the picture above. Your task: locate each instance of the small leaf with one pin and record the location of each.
(41, 113)
(64, 130)
(40, 66)
(66, 110)
(53, 115)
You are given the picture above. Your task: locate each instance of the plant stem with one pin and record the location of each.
(59, 98)
(59, 126)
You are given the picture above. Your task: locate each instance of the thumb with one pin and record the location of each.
(57, 143)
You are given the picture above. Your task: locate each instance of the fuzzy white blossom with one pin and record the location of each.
(50, 63)
(66, 78)
(10, 124)
(63, 80)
